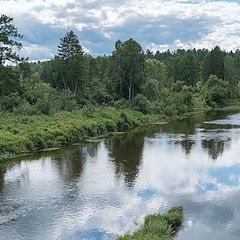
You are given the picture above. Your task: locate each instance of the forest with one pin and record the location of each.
(42, 103)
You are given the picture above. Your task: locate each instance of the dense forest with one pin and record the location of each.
(161, 84)
(170, 83)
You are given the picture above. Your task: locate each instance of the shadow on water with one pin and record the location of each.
(215, 147)
(70, 164)
(126, 154)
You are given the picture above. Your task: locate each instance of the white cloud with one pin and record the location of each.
(213, 22)
(35, 51)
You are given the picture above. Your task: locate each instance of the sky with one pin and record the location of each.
(155, 24)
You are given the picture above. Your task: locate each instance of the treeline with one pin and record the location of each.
(165, 83)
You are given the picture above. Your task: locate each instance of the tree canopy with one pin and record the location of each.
(168, 83)
(127, 68)
(9, 40)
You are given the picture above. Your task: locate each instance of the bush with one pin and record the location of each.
(215, 92)
(151, 90)
(25, 108)
(158, 226)
(10, 102)
(141, 103)
(38, 98)
(89, 111)
(124, 122)
(22, 133)
(122, 103)
(157, 107)
(66, 101)
(170, 111)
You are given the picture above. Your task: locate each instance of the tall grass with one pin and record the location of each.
(158, 226)
(21, 134)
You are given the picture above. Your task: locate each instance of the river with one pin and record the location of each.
(102, 189)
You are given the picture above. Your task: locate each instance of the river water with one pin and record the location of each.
(99, 190)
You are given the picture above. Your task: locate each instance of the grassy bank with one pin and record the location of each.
(158, 226)
(22, 134)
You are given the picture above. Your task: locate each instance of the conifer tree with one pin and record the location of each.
(72, 63)
(9, 37)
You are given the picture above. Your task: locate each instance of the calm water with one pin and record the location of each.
(99, 190)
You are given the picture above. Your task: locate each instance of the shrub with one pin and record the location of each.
(141, 103)
(25, 108)
(151, 90)
(89, 111)
(111, 126)
(21, 133)
(10, 102)
(215, 91)
(123, 123)
(170, 111)
(122, 103)
(158, 226)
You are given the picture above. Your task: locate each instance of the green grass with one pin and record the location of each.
(158, 226)
(21, 134)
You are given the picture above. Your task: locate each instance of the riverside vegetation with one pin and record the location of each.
(158, 226)
(22, 133)
(75, 95)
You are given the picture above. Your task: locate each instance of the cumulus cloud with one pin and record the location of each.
(156, 24)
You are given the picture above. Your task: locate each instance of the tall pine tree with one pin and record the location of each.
(9, 37)
(9, 41)
(72, 63)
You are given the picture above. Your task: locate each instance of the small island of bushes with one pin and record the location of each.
(158, 226)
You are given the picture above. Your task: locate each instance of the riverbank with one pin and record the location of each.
(21, 134)
(158, 226)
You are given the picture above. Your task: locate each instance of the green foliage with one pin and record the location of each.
(25, 69)
(238, 89)
(158, 226)
(127, 69)
(96, 93)
(124, 122)
(156, 70)
(22, 133)
(9, 102)
(199, 102)
(71, 63)
(165, 84)
(9, 43)
(151, 90)
(141, 103)
(121, 104)
(213, 63)
(38, 98)
(69, 46)
(231, 76)
(9, 37)
(215, 91)
(178, 100)
(24, 108)
(186, 68)
(9, 80)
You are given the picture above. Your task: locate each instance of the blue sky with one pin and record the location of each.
(156, 24)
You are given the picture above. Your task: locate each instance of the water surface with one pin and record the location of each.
(97, 191)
